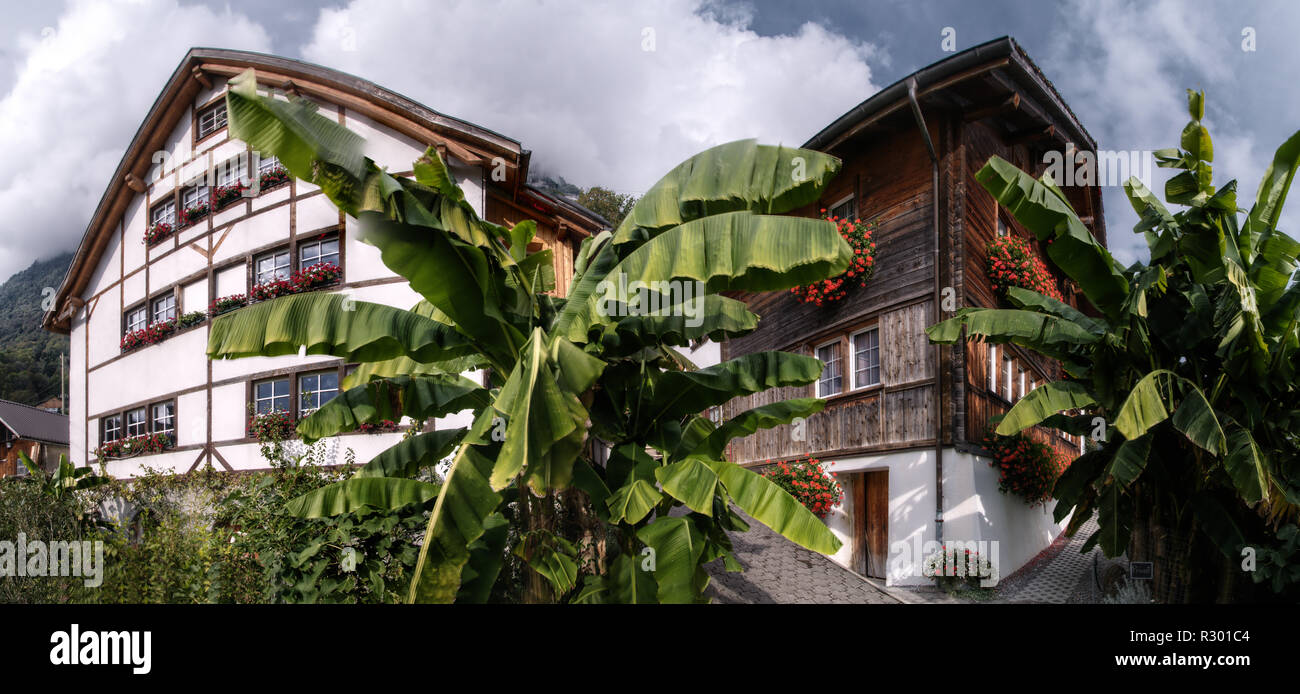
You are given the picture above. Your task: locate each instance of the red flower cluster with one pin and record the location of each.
(144, 443)
(270, 426)
(224, 304)
(224, 195)
(807, 482)
(148, 336)
(157, 233)
(858, 234)
(1026, 468)
(382, 427)
(307, 279)
(273, 177)
(191, 215)
(1012, 262)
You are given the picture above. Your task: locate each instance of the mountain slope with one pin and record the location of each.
(29, 356)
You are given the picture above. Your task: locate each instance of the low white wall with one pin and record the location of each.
(974, 511)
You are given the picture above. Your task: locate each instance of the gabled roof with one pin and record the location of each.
(34, 424)
(999, 67)
(467, 141)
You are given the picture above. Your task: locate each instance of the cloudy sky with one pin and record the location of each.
(615, 92)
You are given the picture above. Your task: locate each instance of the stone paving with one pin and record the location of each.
(779, 571)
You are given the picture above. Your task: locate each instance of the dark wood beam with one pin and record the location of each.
(1011, 103)
(1031, 135)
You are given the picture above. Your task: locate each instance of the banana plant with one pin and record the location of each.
(64, 478)
(1184, 373)
(596, 370)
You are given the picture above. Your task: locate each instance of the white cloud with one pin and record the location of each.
(1124, 68)
(604, 93)
(79, 94)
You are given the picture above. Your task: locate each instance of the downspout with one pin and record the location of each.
(938, 364)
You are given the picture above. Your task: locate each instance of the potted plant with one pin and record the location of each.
(1012, 262)
(859, 234)
(226, 304)
(157, 232)
(809, 483)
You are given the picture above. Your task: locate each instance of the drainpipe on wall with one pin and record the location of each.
(938, 365)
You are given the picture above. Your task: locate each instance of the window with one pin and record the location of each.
(1022, 383)
(1002, 226)
(136, 318)
(1007, 383)
(866, 358)
(271, 266)
(163, 213)
(844, 209)
(163, 309)
(163, 418)
(212, 119)
(831, 380)
(112, 428)
(266, 164)
(194, 195)
(136, 424)
(316, 390)
(320, 250)
(271, 395)
(231, 171)
(993, 368)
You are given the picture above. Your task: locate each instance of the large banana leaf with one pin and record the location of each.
(1045, 333)
(357, 492)
(678, 545)
(631, 502)
(403, 365)
(690, 481)
(1042, 209)
(460, 516)
(417, 397)
(330, 324)
(1245, 465)
(774, 507)
(406, 458)
(714, 317)
(750, 421)
(734, 251)
(678, 393)
(1043, 402)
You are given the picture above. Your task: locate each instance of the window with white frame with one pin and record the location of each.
(163, 418)
(267, 164)
(1008, 384)
(136, 423)
(231, 171)
(322, 249)
(866, 358)
(163, 309)
(164, 212)
(271, 266)
(1002, 225)
(136, 318)
(194, 195)
(112, 428)
(316, 389)
(212, 119)
(831, 380)
(1022, 383)
(844, 209)
(271, 395)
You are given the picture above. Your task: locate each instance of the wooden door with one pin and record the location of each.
(871, 497)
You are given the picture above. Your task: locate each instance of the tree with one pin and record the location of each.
(569, 376)
(1190, 368)
(608, 204)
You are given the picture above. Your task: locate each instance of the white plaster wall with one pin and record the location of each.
(77, 449)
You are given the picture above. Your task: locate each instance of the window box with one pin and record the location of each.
(147, 336)
(270, 289)
(272, 176)
(316, 276)
(223, 196)
(274, 425)
(191, 319)
(157, 233)
(384, 427)
(195, 213)
(226, 304)
(134, 445)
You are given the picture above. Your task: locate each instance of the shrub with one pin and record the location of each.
(1026, 468)
(807, 482)
(270, 427)
(1013, 263)
(859, 235)
(26, 508)
(950, 568)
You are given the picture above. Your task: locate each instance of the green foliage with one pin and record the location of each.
(1191, 368)
(28, 507)
(29, 356)
(608, 204)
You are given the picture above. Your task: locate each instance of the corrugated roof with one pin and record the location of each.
(34, 424)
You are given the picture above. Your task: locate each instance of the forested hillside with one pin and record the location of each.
(29, 356)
